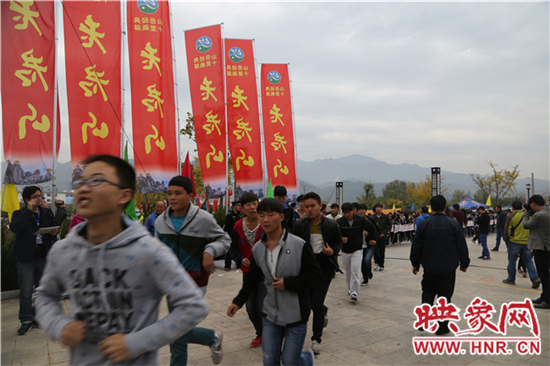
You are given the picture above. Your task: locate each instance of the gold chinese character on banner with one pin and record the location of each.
(159, 141)
(207, 89)
(27, 15)
(99, 132)
(248, 161)
(280, 168)
(279, 142)
(150, 59)
(242, 130)
(239, 100)
(276, 115)
(215, 155)
(89, 27)
(43, 126)
(94, 82)
(211, 123)
(33, 70)
(155, 101)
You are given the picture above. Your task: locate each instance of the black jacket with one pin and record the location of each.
(23, 223)
(439, 245)
(330, 232)
(483, 222)
(354, 233)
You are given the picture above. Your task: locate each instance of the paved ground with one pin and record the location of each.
(377, 330)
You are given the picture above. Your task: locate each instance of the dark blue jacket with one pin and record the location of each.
(439, 245)
(24, 225)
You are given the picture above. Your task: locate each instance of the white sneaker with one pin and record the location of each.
(354, 296)
(376, 267)
(216, 348)
(316, 347)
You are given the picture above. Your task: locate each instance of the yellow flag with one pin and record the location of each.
(10, 202)
(393, 208)
(488, 203)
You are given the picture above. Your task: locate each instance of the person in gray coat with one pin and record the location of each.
(536, 218)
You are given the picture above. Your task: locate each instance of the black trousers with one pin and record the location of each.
(380, 251)
(440, 285)
(318, 294)
(542, 261)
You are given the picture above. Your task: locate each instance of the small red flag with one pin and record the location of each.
(215, 204)
(187, 171)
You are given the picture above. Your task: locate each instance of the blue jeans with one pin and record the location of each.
(272, 341)
(28, 277)
(483, 242)
(197, 335)
(521, 250)
(500, 234)
(254, 306)
(366, 265)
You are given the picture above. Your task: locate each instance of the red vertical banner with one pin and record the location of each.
(28, 77)
(205, 65)
(153, 105)
(278, 127)
(243, 116)
(92, 61)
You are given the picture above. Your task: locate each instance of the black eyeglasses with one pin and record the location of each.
(37, 196)
(94, 182)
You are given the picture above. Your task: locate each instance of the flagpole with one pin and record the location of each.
(175, 76)
(55, 111)
(226, 123)
(294, 130)
(123, 36)
(265, 173)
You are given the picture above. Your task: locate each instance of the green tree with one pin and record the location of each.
(457, 196)
(498, 184)
(397, 190)
(421, 192)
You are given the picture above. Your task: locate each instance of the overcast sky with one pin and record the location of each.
(434, 84)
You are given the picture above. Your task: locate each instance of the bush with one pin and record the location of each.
(9, 264)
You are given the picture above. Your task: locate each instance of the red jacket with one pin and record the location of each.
(240, 249)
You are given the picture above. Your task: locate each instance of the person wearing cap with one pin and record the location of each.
(230, 220)
(483, 222)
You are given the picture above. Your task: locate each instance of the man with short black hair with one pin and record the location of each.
(384, 224)
(288, 267)
(150, 220)
(280, 194)
(245, 234)
(440, 247)
(334, 212)
(230, 220)
(196, 239)
(116, 275)
(323, 235)
(353, 228)
(30, 250)
(483, 222)
(458, 215)
(537, 220)
(501, 221)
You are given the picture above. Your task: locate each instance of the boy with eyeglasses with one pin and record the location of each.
(116, 273)
(30, 250)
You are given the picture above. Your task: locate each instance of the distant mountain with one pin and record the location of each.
(356, 170)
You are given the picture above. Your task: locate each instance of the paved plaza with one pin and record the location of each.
(377, 330)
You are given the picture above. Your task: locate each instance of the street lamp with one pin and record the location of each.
(528, 186)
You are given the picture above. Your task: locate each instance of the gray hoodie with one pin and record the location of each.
(116, 287)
